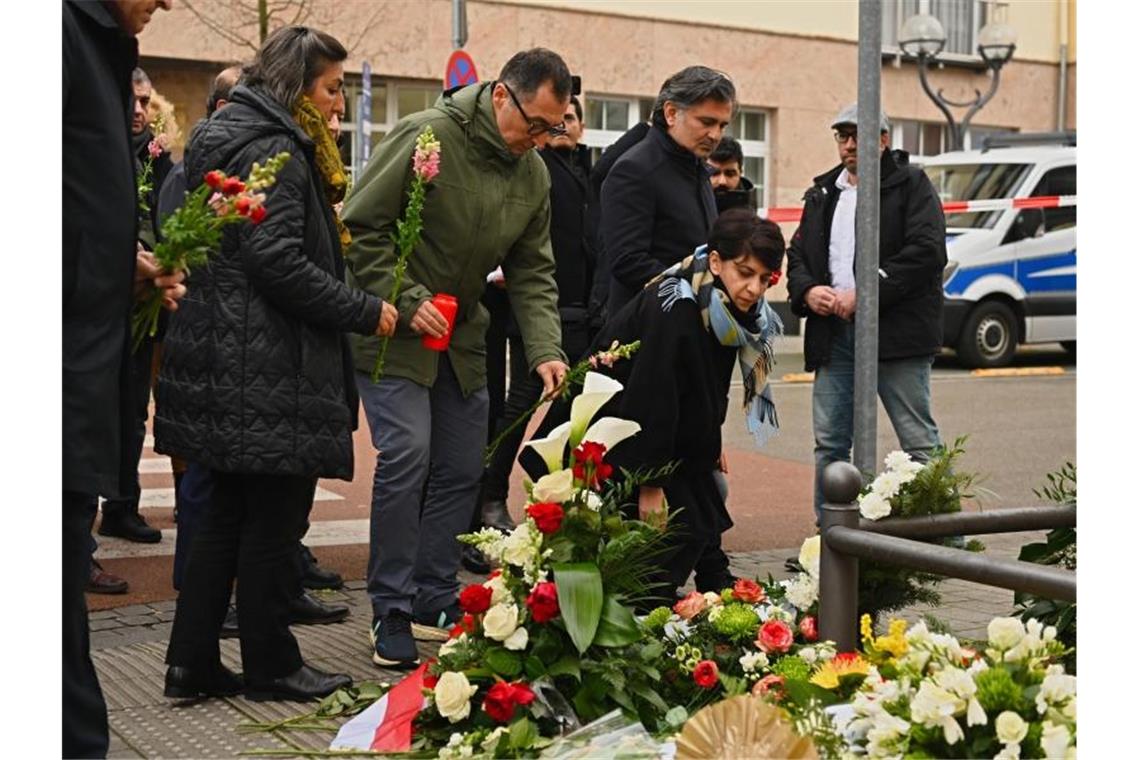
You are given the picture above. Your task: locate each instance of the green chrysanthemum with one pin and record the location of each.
(792, 667)
(738, 622)
(997, 690)
(655, 620)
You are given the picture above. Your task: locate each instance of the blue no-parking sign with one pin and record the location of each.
(460, 70)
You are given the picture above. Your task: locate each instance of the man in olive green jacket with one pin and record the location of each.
(488, 207)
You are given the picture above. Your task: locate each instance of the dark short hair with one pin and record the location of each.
(290, 60)
(728, 149)
(693, 85)
(528, 70)
(221, 87)
(739, 232)
(577, 106)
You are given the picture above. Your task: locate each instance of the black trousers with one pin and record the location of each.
(249, 532)
(141, 364)
(84, 711)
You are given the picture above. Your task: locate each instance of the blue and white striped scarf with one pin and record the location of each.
(692, 279)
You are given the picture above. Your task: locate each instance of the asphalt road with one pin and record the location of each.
(1020, 428)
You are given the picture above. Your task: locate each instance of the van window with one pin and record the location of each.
(1059, 181)
(973, 182)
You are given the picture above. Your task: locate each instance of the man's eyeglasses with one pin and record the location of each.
(535, 127)
(845, 135)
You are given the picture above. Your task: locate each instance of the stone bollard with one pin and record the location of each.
(839, 573)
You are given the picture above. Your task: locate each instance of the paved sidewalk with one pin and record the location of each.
(129, 644)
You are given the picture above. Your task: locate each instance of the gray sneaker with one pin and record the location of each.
(392, 643)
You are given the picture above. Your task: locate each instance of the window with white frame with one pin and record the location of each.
(961, 20)
(608, 117)
(391, 101)
(929, 138)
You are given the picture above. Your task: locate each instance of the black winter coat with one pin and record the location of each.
(912, 255)
(99, 227)
(657, 207)
(571, 229)
(256, 374)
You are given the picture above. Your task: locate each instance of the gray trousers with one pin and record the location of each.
(421, 434)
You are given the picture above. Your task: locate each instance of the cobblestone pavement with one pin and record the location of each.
(129, 643)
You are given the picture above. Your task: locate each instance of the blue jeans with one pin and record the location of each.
(421, 434)
(904, 388)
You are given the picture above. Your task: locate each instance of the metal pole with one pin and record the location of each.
(974, 523)
(838, 572)
(867, 237)
(458, 23)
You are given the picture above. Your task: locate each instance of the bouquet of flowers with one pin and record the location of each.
(193, 232)
(425, 168)
(547, 642)
(927, 695)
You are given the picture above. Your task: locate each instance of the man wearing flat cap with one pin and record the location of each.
(821, 287)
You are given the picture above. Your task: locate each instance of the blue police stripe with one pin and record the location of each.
(1024, 272)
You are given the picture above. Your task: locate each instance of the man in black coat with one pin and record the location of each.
(726, 172)
(99, 273)
(657, 203)
(821, 287)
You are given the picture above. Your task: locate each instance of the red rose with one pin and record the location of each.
(232, 186)
(745, 590)
(705, 674)
(241, 205)
(215, 179)
(548, 517)
(809, 629)
(543, 602)
(430, 681)
(256, 214)
(775, 637)
(769, 686)
(589, 466)
(475, 599)
(503, 698)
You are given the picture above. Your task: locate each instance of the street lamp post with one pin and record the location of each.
(922, 36)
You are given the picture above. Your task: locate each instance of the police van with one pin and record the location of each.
(1011, 278)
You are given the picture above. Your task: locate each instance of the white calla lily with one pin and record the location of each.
(554, 488)
(552, 448)
(610, 431)
(596, 391)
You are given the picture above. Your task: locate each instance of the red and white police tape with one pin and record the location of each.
(792, 213)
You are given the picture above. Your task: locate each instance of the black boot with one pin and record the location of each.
(128, 524)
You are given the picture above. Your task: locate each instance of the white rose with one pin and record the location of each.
(554, 488)
(874, 507)
(809, 555)
(1010, 728)
(1006, 632)
(498, 586)
(518, 547)
(453, 695)
(501, 621)
(1009, 752)
(517, 640)
(1054, 740)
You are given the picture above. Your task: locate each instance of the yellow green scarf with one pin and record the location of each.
(329, 164)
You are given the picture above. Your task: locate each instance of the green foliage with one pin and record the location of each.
(655, 621)
(1059, 548)
(793, 668)
(580, 601)
(617, 626)
(997, 690)
(937, 488)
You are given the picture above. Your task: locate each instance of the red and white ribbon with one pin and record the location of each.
(792, 213)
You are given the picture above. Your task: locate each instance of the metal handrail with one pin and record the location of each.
(845, 538)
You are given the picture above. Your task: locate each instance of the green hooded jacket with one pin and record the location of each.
(486, 208)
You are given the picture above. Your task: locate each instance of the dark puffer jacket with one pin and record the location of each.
(912, 255)
(256, 374)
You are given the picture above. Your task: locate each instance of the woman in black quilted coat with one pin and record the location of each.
(256, 381)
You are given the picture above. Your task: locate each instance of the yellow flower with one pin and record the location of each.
(828, 674)
(893, 644)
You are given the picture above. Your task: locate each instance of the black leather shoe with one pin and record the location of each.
(230, 624)
(474, 560)
(495, 515)
(306, 610)
(303, 685)
(129, 525)
(316, 577)
(187, 683)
